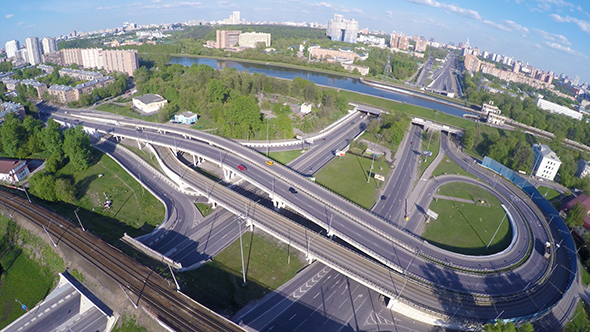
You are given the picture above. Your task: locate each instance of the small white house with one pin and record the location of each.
(305, 108)
(186, 118)
(546, 162)
(13, 170)
(149, 103)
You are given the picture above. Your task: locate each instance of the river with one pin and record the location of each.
(335, 81)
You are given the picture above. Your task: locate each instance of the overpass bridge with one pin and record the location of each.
(439, 298)
(428, 124)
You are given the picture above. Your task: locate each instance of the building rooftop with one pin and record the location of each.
(187, 114)
(7, 165)
(150, 98)
(32, 82)
(58, 87)
(546, 152)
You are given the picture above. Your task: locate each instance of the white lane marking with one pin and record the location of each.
(292, 317)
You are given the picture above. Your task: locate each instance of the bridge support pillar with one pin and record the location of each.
(228, 174)
(197, 160)
(212, 203)
(279, 204)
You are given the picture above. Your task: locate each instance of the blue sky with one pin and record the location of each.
(549, 34)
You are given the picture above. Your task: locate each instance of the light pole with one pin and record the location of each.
(77, 217)
(173, 277)
(22, 305)
(267, 140)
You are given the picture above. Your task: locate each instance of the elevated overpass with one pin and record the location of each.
(414, 260)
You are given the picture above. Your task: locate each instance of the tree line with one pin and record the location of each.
(231, 99)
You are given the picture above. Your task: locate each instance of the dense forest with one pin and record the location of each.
(232, 99)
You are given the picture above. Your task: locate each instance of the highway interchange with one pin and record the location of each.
(404, 252)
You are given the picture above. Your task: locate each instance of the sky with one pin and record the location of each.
(552, 35)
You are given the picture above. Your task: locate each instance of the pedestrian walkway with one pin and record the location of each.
(456, 199)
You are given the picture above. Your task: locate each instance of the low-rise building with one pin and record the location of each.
(584, 201)
(87, 87)
(149, 103)
(546, 162)
(186, 118)
(63, 94)
(492, 114)
(252, 39)
(13, 170)
(305, 108)
(41, 88)
(16, 108)
(556, 108)
(583, 168)
(323, 53)
(80, 74)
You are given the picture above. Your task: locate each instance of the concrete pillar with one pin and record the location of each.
(279, 204)
(194, 161)
(213, 204)
(228, 174)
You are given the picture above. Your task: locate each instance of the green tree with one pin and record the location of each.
(500, 326)
(13, 135)
(76, 146)
(576, 215)
(469, 138)
(65, 190)
(242, 114)
(52, 137)
(43, 186)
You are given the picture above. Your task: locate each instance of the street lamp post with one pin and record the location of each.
(242, 254)
(369, 177)
(22, 305)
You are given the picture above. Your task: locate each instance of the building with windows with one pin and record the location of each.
(421, 46)
(227, 38)
(546, 162)
(149, 103)
(583, 168)
(556, 108)
(63, 94)
(251, 39)
(33, 50)
(186, 118)
(80, 74)
(12, 48)
(16, 108)
(324, 53)
(92, 58)
(492, 114)
(13, 170)
(49, 45)
(340, 29)
(125, 61)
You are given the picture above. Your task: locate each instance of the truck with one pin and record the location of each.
(547, 250)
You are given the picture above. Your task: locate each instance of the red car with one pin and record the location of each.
(242, 168)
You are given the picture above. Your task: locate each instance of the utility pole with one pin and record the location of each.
(45, 229)
(173, 277)
(267, 140)
(29, 199)
(369, 177)
(242, 254)
(77, 217)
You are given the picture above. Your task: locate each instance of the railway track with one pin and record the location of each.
(153, 291)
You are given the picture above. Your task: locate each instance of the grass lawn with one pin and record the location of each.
(128, 324)
(467, 228)
(218, 284)
(581, 319)
(284, 157)
(133, 210)
(205, 209)
(25, 280)
(204, 123)
(447, 166)
(549, 193)
(433, 146)
(468, 191)
(122, 110)
(144, 154)
(347, 176)
(585, 276)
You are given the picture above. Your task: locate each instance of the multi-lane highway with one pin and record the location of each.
(493, 283)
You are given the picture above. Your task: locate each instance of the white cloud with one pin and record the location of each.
(565, 49)
(449, 8)
(583, 25)
(552, 37)
(20, 23)
(515, 26)
(157, 1)
(222, 2)
(389, 13)
(9, 15)
(323, 4)
(337, 8)
(496, 25)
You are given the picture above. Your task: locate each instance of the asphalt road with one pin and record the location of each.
(314, 202)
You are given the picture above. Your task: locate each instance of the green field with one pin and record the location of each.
(581, 319)
(125, 111)
(467, 228)
(347, 176)
(205, 209)
(430, 142)
(133, 210)
(467, 191)
(218, 284)
(549, 193)
(204, 123)
(29, 266)
(447, 166)
(284, 157)
(144, 154)
(128, 324)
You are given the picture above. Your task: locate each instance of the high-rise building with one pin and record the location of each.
(399, 41)
(576, 80)
(340, 29)
(49, 45)
(34, 50)
(421, 46)
(70, 56)
(121, 60)
(12, 48)
(235, 17)
(92, 58)
(227, 38)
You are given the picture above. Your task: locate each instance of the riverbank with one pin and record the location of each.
(400, 88)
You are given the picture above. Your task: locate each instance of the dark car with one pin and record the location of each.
(383, 197)
(292, 190)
